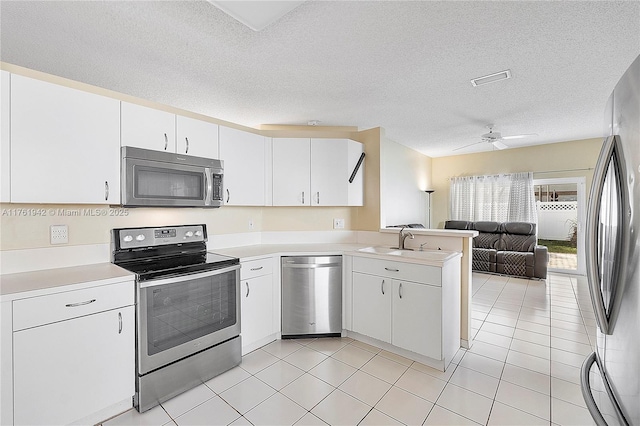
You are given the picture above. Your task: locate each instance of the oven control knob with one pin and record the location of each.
(128, 238)
(188, 234)
(140, 237)
(198, 233)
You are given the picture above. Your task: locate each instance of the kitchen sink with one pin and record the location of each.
(381, 250)
(435, 255)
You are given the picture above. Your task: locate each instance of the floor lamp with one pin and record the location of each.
(429, 192)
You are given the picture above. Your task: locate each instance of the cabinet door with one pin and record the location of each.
(5, 151)
(356, 187)
(196, 137)
(291, 172)
(372, 306)
(71, 369)
(417, 317)
(64, 144)
(243, 154)
(148, 128)
(256, 308)
(329, 178)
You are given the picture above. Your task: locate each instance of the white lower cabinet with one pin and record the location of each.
(372, 306)
(417, 318)
(256, 301)
(420, 314)
(73, 367)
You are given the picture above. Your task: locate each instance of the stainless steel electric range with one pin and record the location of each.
(187, 309)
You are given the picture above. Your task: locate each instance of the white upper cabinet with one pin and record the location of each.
(355, 188)
(316, 172)
(5, 137)
(196, 137)
(329, 175)
(158, 130)
(64, 144)
(148, 128)
(291, 172)
(244, 156)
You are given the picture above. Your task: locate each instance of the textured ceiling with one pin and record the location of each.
(404, 66)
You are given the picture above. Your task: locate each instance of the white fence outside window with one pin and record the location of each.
(556, 219)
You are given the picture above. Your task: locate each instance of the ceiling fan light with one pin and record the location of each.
(491, 78)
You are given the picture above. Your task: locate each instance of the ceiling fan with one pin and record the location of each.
(495, 138)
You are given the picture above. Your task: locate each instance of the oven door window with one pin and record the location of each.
(185, 311)
(155, 182)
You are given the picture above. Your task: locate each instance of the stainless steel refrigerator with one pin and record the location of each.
(610, 376)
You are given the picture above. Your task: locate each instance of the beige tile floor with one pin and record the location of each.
(530, 340)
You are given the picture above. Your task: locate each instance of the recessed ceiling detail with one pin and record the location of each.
(491, 78)
(256, 15)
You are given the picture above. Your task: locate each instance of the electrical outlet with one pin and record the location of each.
(250, 223)
(338, 223)
(59, 234)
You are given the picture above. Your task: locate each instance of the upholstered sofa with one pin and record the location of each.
(508, 248)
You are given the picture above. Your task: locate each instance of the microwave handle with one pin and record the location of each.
(208, 182)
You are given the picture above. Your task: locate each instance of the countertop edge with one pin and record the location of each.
(48, 281)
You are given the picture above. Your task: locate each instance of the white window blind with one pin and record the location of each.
(499, 198)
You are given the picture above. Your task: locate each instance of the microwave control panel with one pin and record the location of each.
(216, 193)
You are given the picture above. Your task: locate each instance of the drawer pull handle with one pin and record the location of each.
(400, 291)
(120, 322)
(73, 305)
(166, 141)
(257, 269)
(247, 283)
(382, 287)
(392, 270)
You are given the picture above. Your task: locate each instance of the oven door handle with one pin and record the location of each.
(188, 277)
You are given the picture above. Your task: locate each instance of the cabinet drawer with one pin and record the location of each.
(398, 270)
(256, 268)
(42, 310)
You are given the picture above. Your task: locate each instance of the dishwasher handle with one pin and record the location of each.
(311, 265)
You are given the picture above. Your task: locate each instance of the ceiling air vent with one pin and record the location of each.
(491, 78)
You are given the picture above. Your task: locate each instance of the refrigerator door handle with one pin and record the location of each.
(610, 150)
(593, 275)
(585, 386)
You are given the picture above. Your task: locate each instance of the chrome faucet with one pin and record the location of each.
(403, 236)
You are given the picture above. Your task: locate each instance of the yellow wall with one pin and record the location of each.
(555, 158)
(367, 217)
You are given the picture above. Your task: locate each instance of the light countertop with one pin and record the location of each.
(246, 253)
(28, 284)
(36, 283)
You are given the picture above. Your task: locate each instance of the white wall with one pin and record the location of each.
(404, 175)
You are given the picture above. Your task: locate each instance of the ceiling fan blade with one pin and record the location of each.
(466, 146)
(499, 145)
(519, 136)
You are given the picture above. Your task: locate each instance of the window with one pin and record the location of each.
(499, 198)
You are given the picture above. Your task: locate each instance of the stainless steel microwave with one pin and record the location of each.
(160, 179)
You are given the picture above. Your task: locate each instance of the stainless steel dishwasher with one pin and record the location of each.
(311, 296)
